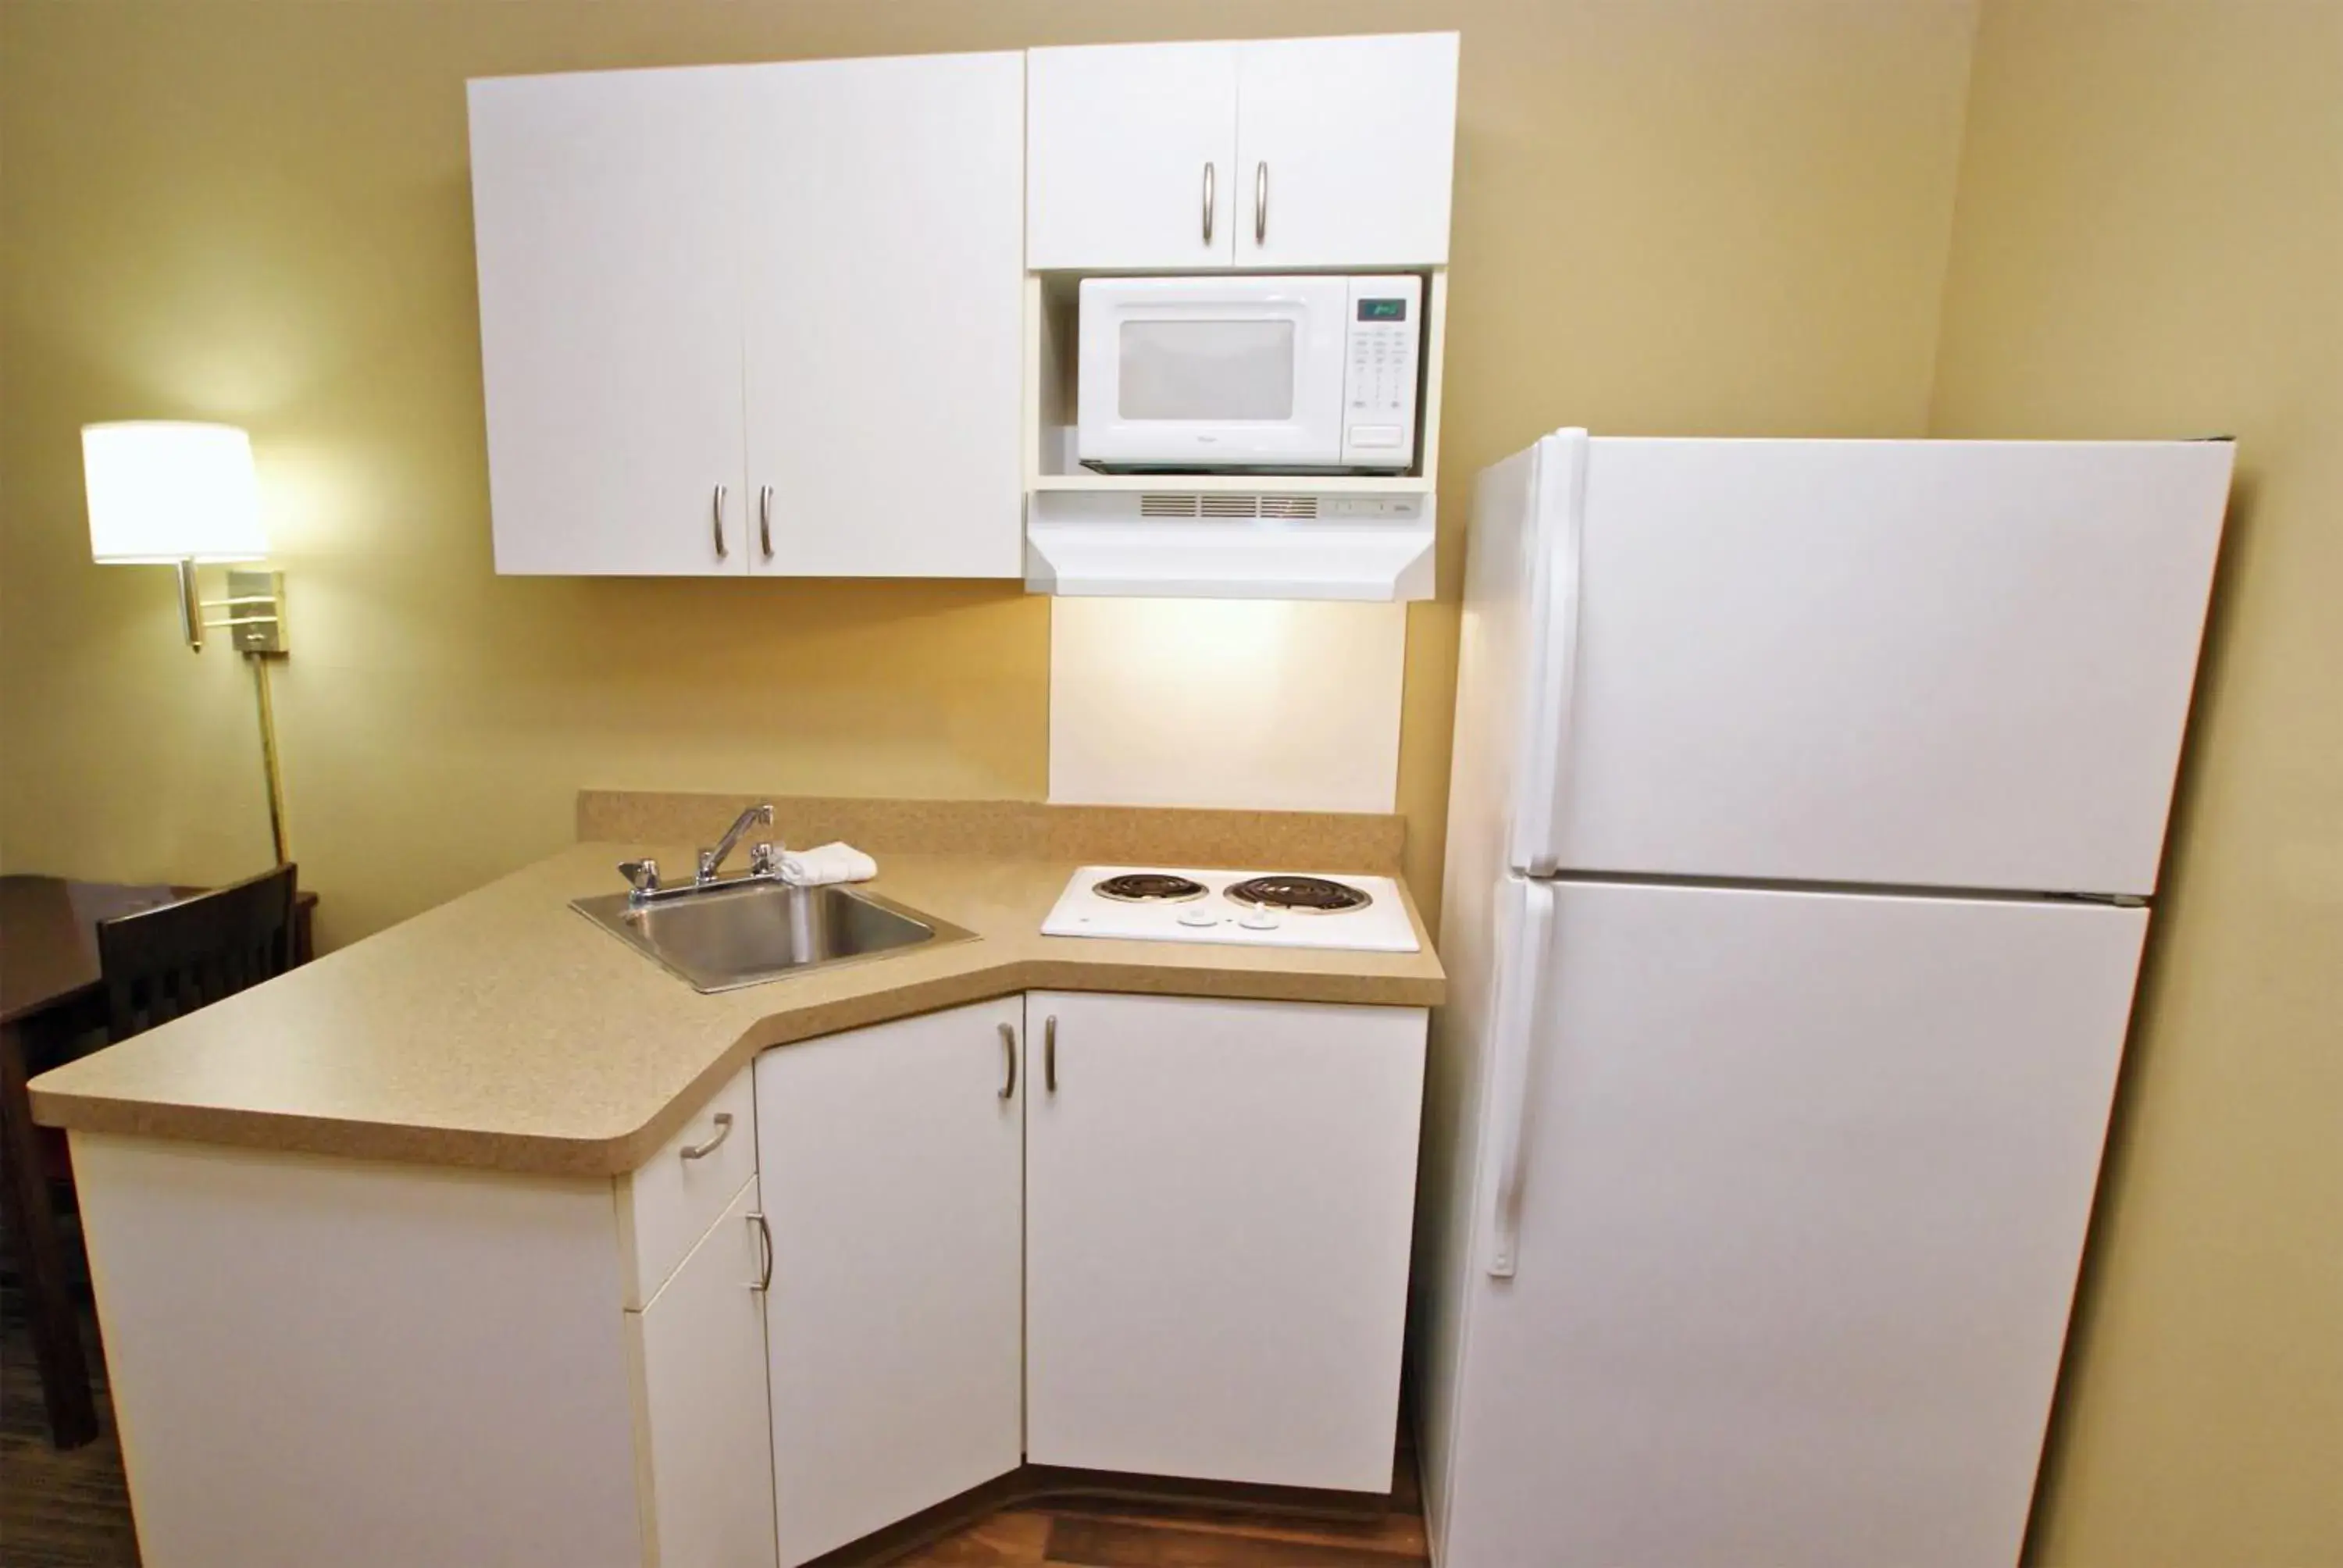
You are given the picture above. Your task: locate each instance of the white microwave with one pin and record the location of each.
(1234, 373)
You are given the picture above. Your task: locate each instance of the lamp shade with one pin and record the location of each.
(162, 490)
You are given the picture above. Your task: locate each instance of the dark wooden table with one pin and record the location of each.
(49, 990)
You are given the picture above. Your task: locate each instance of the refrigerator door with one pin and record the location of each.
(1515, 649)
(1929, 663)
(1805, 1177)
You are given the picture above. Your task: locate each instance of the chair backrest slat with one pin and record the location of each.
(160, 964)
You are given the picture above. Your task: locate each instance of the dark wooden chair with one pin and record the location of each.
(159, 963)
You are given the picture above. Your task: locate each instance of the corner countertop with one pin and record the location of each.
(506, 1031)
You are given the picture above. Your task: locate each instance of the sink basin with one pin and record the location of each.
(749, 932)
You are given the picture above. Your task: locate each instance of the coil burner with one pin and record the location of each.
(1307, 895)
(1149, 887)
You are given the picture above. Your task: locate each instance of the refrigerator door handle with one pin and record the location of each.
(1561, 504)
(1521, 1011)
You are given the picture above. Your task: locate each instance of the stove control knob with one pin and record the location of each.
(1199, 916)
(1259, 920)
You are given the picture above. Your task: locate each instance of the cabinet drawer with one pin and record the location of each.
(671, 1201)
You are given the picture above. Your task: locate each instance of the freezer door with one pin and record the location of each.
(1934, 663)
(1805, 1179)
(1515, 647)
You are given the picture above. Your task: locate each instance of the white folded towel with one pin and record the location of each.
(837, 863)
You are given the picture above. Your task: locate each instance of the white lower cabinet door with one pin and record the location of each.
(1219, 1198)
(701, 1343)
(891, 1159)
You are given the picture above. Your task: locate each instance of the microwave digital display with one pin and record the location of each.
(1382, 310)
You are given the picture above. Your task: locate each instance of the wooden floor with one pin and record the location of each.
(56, 1509)
(70, 1509)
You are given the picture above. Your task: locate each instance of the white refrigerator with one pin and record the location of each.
(1807, 805)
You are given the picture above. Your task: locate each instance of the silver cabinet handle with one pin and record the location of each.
(721, 553)
(1260, 203)
(764, 1279)
(1209, 204)
(723, 1130)
(1009, 1059)
(1049, 1052)
(765, 521)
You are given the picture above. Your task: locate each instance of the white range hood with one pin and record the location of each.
(1186, 541)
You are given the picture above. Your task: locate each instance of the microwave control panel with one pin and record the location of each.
(1385, 323)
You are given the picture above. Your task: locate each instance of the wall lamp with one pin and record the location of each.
(164, 492)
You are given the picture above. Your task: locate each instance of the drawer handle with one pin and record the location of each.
(1009, 1059)
(723, 1130)
(1049, 1052)
(764, 1280)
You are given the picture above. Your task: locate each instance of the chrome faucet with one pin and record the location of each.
(763, 859)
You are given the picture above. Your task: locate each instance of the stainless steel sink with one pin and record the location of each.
(746, 933)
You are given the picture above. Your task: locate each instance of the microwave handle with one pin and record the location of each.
(1208, 202)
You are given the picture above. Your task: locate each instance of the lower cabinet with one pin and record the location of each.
(1218, 1205)
(1144, 1234)
(698, 1344)
(892, 1163)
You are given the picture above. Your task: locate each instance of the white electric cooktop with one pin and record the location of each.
(1249, 908)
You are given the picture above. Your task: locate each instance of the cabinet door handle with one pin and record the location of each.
(765, 521)
(1009, 1059)
(721, 553)
(723, 1130)
(764, 1279)
(1260, 203)
(1050, 1053)
(1209, 204)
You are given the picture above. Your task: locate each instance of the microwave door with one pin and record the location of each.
(1238, 373)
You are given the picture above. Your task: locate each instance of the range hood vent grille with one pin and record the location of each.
(1223, 505)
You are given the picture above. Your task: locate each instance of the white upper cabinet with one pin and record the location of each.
(611, 319)
(758, 319)
(885, 309)
(1296, 152)
(1344, 150)
(1131, 156)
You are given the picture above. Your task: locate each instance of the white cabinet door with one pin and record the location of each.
(702, 1344)
(885, 288)
(1131, 155)
(603, 210)
(892, 1159)
(1344, 150)
(1219, 1198)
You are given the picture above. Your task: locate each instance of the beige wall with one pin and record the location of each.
(1697, 215)
(2150, 242)
(1672, 215)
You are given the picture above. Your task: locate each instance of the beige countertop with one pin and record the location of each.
(504, 1031)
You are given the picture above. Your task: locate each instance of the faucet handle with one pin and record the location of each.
(764, 859)
(642, 875)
